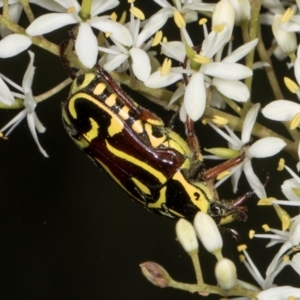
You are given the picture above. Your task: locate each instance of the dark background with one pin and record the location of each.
(68, 232)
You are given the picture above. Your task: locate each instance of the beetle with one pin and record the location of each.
(150, 162)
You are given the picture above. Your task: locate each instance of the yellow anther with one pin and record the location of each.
(166, 66)
(291, 85)
(201, 59)
(137, 13)
(131, 1)
(287, 15)
(266, 227)
(218, 28)
(202, 21)
(242, 258)
(218, 120)
(114, 16)
(241, 247)
(266, 201)
(223, 174)
(164, 40)
(281, 164)
(295, 122)
(123, 17)
(283, 216)
(286, 258)
(251, 234)
(157, 38)
(179, 19)
(291, 298)
(70, 9)
(108, 34)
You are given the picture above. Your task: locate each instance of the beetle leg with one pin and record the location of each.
(192, 139)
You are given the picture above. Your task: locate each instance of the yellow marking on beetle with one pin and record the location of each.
(90, 135)
(124, 112)
(155, 141)
(156, 122)
(111, 100)
(180, 141)
(161, 200)
(137, 126)
(107, 170)
(143, 188)
(116, 125)
(88, 78)
(160, 176)
(195, 194)
(99, 89)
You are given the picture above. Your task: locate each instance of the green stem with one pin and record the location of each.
(196, 263)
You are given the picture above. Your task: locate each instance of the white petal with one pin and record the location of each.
(240, 52)
(233, 89)
(86, 54)
(69, 3)
(101, 6)
(31, 125)
(287, 189)
(13, 44)
(186, 235)
(6, 96)
(266, 147)
(227, 71)
(177, 94)
(195, 96)
(297, 65)
(114, 61)
(155, 80)
(174, 50)
(28, 76)
(117, 30)
(249, 122)
(157, 21)
(281, 110)
(49, 5)
(49, 22)
(14, 12)
(200, 6)
(279, 293)
(253, 180)
(140, 63)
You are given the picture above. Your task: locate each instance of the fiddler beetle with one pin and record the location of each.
(150, 162)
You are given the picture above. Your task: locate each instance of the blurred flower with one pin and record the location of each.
(30, 105)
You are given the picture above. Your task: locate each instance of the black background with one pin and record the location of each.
(68, 232)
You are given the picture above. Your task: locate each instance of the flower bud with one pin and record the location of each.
(186, 235)
(224, 14)
(225, 272)
(208, 232)
(242, 10)
(155, 273)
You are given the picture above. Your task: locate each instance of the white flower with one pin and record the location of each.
(86, 42)
(264, 147)
(186, 235)
(289, 239)
(287, 41)
(279, 293)
(15, 9)
(30, 104)
(117, 55)
(224, 75)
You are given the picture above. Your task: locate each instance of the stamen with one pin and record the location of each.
(218, 28)
(166, 66)
(291, 85)
(114, 16)
(266, 227)
(287, 15)
(70, 9)
(137, 13)
(157, 38)
(201, 59)
(218, 120)
(251, 234)
(241, 247)
(295, 122)
(179, 19)
(202, 21)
